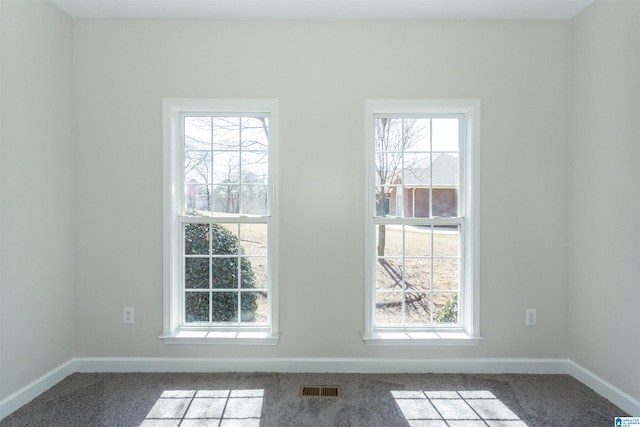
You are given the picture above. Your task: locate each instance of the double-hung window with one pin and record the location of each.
(422, 222)
(220, 221)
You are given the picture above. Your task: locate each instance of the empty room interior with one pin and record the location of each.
(101, 211)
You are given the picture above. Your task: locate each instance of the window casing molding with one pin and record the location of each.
(467, 332)
(175, 331)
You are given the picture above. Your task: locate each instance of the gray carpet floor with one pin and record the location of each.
(271, 399)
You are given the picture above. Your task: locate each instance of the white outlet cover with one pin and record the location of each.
(127, 315)
(531, 317)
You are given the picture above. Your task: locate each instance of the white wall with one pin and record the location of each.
(37, 295)
(604, 291)
(554, 94)
(322, 72)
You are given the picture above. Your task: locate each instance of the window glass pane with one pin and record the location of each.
(196, 273)
(445, 202)
(253, 199)
(418, 308)
(196, 239)
(253, 238)
(389, 274)
(416, 168)
(388, 134)
(197, 199)
(224, 273)
(446, 308)
(255, 167)
(254, 307)
(417, 273)
(445, 169)
(388, 167)
(388, 308)
(416, 202)
(247, 273)
(197, 133)
(255, 133)
(226, 133)
(388, 201)
(416, 134)
(254, 272)
(224, 307)
(446, 134)
(225, 199)
(417, 240)
(226, 167)
(445, 274)
(389, 240)
(196, 307)
(446, 240)
(224, 239)
(197, 167)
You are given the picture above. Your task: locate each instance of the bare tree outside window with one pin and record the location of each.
(226, 165)
(393, 137)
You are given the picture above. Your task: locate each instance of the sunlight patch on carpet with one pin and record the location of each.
(448, 408)
(194, 408)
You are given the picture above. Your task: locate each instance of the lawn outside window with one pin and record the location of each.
(422, 222)
(220, 273)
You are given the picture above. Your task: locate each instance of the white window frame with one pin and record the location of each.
(468, 332)
(175, 332)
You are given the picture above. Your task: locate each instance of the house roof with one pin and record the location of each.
(443, 169)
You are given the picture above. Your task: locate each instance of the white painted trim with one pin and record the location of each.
(38, 386)
(469, 204)
(407, 338)
(322, 365)
(173, 168)
(221, 337)
(604, 388)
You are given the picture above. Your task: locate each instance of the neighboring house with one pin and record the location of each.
(416, 185)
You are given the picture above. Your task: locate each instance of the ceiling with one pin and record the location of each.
(325, 9)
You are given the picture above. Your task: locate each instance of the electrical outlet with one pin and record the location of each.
(127, 315)
(531, 317)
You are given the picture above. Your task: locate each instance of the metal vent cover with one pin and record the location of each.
(320, 391)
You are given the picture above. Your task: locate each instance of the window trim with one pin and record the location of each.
(173, 330)
(468, 334)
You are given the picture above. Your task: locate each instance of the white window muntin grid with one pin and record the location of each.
(431, 291)
(431, 221)
(459, 153)
(174, 173)
(210, 290)
(241, 149)
(431, 257)
(228, 218)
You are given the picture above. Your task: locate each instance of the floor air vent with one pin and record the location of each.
(320, 391)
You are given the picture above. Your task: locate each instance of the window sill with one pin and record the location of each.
(421, 338)
(221, 337)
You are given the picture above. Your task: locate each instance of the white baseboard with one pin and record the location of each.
(321, 365)
(32, 390)
(605, 389)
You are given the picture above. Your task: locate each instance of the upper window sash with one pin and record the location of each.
(229, 154)
(418, 152)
